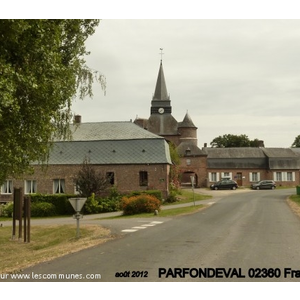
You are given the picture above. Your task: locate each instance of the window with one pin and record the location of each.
(284, 176)
(143, 178)
(30, 186)
(59, 186)
(188, 162)
(278, 176)
(7, 187)
(289, 176)
(110, 177)
(255, 176)
(213, 177)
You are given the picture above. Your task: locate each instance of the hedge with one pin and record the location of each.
(60, 202)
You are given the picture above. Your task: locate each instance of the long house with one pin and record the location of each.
(135, 155)
(248, 165)
(132, 158)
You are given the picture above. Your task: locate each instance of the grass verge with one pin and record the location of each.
(187, 196)
(294, 203)
(46, 243)
(173, 212)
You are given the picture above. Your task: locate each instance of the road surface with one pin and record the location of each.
(244, 236)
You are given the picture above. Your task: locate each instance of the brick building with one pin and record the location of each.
(182, 134)
(133, 158)
(208, 165)
(248, 165)
(137, 157)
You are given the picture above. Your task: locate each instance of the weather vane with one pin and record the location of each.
(161, 53)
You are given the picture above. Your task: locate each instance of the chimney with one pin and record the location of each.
(205, 145)
(77, 119)
(261, 144)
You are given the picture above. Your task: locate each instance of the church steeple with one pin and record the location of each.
(161, 88)
(161, 103)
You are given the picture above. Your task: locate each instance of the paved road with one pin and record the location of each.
(242, 235)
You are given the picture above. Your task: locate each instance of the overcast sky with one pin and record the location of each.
(232, 76)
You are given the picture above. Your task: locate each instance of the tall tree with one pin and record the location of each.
(231, 140)
(42, 69)
(296, 143)
(89, 181)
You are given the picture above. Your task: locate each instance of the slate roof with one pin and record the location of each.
(111, 143)
(187, 122)
(267, 158)
(110, 131)
(161, 88)
(282, 158)
(240, 152)
(194, 150)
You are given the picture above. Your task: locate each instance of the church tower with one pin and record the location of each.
(161, 121)
(193, 161)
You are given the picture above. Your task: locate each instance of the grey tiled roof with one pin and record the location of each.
(187, 122)
(111, 152)
(194, 150)
(111, 143)
(109, 131)
(239, 152)
(271, 158)
(279, 152)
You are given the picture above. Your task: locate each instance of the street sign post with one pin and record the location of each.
(193, 183)
(77, 204)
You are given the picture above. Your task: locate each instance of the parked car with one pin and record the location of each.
(264, 184)
(224, 185)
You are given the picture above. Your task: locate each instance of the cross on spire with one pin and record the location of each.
(161, 53)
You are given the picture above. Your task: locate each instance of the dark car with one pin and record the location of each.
(264, 184)
(224, 185)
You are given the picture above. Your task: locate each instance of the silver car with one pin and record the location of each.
(264, 184)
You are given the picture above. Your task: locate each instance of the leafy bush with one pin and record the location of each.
(172, 197)
(42, 209)
(95, 205)
(140, 204)
(60, 202)
(7, 209)
(155, 193)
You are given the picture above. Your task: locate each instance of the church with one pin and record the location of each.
(182, 134)
(208, 165)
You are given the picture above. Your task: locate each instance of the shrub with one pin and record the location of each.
(155, 193)
(42, 209)
(172, 197)
(96, 205)
(60, 202)
(7, 209)
(140, 204)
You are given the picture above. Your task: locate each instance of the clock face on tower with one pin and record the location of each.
(161, 110)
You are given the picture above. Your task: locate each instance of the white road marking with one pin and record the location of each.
(136, 228)
(129, 230)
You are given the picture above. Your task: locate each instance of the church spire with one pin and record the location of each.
(161, 88)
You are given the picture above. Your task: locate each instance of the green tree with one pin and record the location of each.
(296, 143)
(174, 169)
(231, 140)
(42, 69)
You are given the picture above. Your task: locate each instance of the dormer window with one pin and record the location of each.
(188, 151)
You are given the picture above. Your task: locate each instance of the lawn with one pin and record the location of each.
(187, 196)
(46, 243)
(49, 242)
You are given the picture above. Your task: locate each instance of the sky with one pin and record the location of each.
(233, 76)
